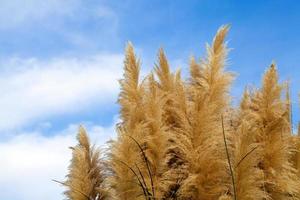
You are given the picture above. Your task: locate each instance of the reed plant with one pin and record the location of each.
(183, 139)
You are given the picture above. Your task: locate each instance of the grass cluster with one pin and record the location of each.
(183, 139)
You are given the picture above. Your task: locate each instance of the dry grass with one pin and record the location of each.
(184, 140)
(85, 180)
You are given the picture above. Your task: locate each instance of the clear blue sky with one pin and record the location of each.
(60, 61)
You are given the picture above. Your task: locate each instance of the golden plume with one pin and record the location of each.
(130, 98)
(85, 180)
(175, 120)
(125, 156)
(268, 114)
(297, 155)
(209, 100)
(249, 179)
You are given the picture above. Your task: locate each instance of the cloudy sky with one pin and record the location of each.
(60, 61)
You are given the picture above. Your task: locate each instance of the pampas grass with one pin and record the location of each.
(296, 142)
(208, 101)
(273, 133)
(184, 140)
(85, 180)
(125, 155)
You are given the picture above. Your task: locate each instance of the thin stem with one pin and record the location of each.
(140, 182)
(228, 158)
(247, 154)
(143, 179)
(147, 164)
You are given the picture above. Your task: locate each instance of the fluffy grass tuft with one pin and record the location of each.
(185, 140)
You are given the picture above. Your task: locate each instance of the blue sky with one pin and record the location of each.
(60, 62)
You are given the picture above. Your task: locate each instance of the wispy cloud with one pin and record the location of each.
(17, 12)
(30, 160)
(33, 89)
(14, 13)
(57, 27)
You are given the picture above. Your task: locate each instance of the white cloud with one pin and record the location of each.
(36, 89)
(16, 12)
(29, 162)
